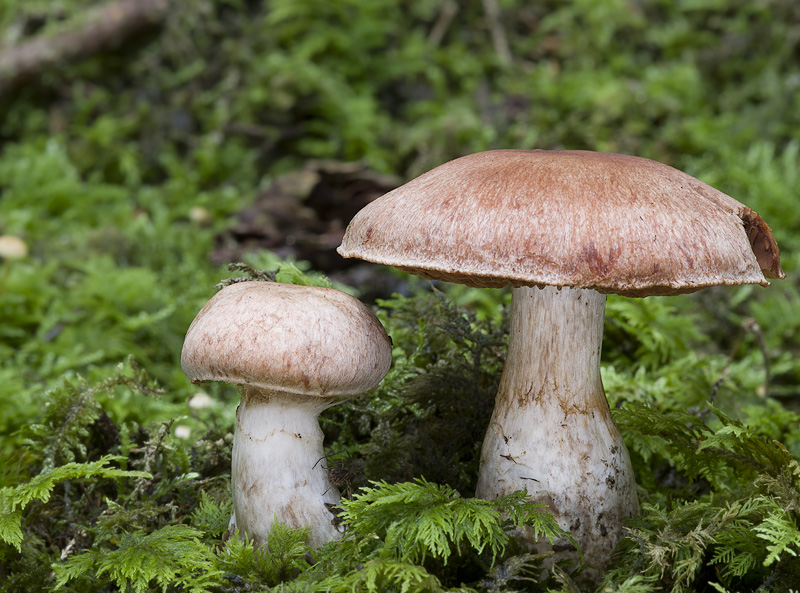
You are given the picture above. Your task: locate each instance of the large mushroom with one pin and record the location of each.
(563, 228)
(294, 351)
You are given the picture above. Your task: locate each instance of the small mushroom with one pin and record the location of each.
(11, 248)
(563, 228)
(294, 351)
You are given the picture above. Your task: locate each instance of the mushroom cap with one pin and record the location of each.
(610, 222)
(282, 337)
(12, 247)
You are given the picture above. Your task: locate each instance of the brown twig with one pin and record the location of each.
(97, 30)
(447, 13)
(499, 39)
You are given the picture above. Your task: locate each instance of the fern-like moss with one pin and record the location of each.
(172, 555)
(742, 527)
(14, 500)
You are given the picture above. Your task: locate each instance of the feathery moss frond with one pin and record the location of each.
(753, 488)
(211, 517)
(646, 332)
(384, 576)
(516, 571)
(14, 499)
(779, 529)
(170, 555)
(72, 408)
(421, 519)
(283, 557)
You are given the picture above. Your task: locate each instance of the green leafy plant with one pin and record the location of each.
(172, 555)
(405, 536)
(13, 500)
(737, 484)
(421, 519)
(283, 557)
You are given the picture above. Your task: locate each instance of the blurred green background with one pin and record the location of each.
(103, 160)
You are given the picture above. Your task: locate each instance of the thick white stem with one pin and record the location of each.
(551, 432)
(278, 469)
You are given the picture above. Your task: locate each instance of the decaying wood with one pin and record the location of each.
(99, 29)
(303, 214)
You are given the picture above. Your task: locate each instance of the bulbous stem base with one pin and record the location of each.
(551, 432)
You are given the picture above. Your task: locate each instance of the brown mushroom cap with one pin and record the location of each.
(610, 222)
(282, 337)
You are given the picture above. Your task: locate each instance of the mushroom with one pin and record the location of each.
(11, 247)
(294, 351)
(563, 228)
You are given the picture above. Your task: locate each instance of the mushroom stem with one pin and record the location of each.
(551, 432)
(278, 466)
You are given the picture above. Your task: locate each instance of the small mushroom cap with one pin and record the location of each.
(283, 337)
(12, 247)
(609, 222)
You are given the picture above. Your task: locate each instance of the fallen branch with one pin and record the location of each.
(105, 27)
(499, 40)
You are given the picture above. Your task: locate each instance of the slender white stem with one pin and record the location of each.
(278, 469)
(552, 432)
